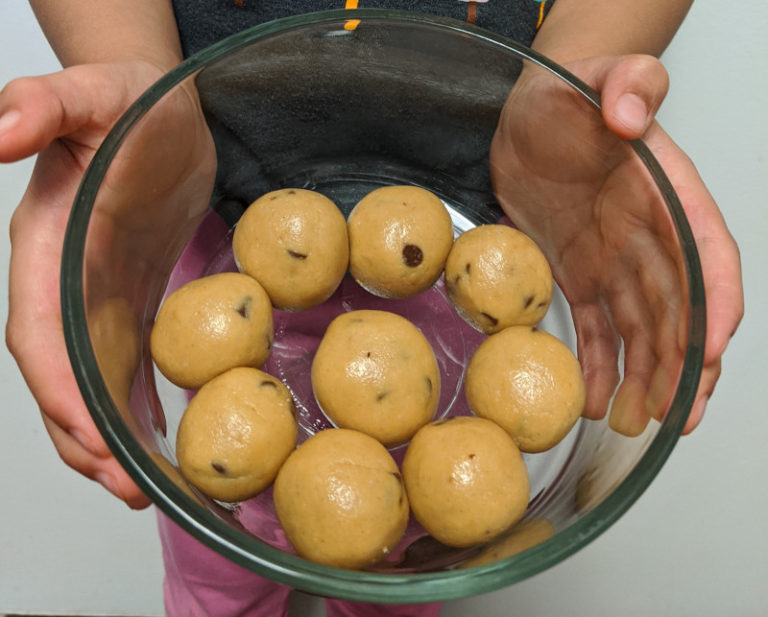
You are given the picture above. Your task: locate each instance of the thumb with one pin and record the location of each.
(36, 110)
(631, 90)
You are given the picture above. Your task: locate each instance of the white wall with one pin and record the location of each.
(694, 544)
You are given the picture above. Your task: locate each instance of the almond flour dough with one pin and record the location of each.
(375, 372)
(466, 480)
(496, 277)
(340, 499)
(528, 382)
(399, 238)
(236, 433)
(210, 325)
(294, 242)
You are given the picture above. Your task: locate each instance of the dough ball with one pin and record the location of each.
(528, 382)
(294, 242)
(236, 433)
(466, 480)
(399, 237)
(375, 372)
(210, 325)
(115, 336)
(524, 535)
(340, 499)
(496, 277)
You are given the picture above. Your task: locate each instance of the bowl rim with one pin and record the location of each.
(252, 553)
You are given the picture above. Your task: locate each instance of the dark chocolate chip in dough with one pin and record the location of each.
(219, 468)
(528, 301)
(412, 255)
(296, 254)
(468, 267)
(268, 382)
(244, 309)
(381, 396)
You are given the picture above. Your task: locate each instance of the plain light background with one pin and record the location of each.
(696, 543)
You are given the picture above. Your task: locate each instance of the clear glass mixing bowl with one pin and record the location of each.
(320, 102)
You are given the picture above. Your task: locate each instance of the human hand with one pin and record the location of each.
(564, 176)
(64, 117)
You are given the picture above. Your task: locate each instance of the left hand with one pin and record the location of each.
(564, 175)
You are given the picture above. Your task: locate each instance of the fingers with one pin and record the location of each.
(36, 110)
(709, 377)
(598, 355)
(631, 90)
(719, 257)
(105, 471)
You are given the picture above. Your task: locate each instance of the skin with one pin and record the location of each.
(617, 57)
(114, 50)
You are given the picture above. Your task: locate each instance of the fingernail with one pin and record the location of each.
(632, 112)
(8, 120)
(108, 483)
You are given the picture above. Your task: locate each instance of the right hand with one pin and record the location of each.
(64, 117)
(563, 173)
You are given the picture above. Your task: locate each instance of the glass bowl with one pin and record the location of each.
(342, 107)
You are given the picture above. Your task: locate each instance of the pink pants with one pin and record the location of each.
(201, 583)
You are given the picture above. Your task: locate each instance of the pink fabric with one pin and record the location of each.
(201, 583)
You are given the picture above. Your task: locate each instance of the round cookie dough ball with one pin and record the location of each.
(210, 325)
(399, 237)
(524, 535)
(375, 372)
(528, 382)
(340, 499)
(236, 433)
(496, 277)
(294, 242)
(466, 480)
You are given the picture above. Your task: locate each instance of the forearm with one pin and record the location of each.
(89, 31)
(577, 29)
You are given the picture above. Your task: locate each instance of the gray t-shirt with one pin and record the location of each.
(203, 22)
(252, 147)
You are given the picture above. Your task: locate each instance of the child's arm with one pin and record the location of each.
(94, 31)
(577, 29)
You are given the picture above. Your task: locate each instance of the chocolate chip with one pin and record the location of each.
(412, 255)
(268, 382)
(291, 192)
(381, 396)
(528, 301)
(244, 309)
(468, 267)
(218, 467)
(471, 456)
(296, 254)
(541, 305)
(397, 475)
